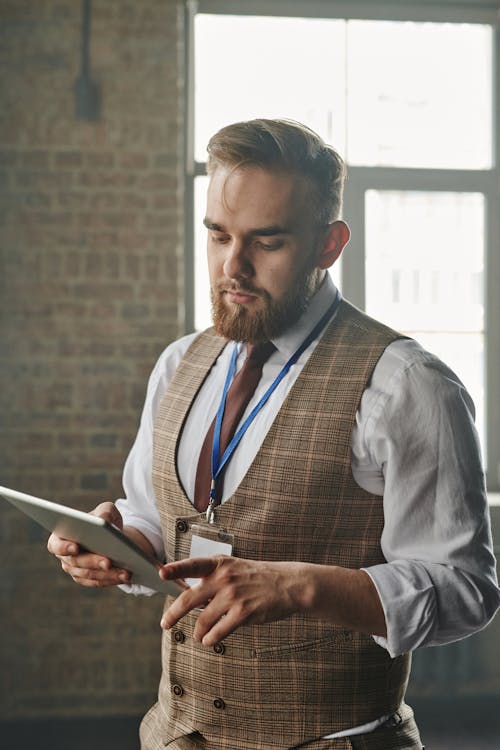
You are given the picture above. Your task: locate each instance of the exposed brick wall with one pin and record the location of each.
(90, 290)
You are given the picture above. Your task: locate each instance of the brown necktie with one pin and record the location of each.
(239, 394)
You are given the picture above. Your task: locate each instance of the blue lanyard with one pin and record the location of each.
(218, 461)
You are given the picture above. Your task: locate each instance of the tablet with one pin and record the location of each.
(95, 535)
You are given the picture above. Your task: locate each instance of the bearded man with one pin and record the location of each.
(290, 467)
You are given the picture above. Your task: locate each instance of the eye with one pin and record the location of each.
(269, 246)
(219, 238)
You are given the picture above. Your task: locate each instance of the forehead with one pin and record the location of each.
(252, 196)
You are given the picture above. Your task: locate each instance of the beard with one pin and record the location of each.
(272, 319)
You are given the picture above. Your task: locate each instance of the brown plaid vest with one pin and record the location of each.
(280, 684)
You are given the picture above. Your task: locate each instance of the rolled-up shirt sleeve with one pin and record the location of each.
(439, 583)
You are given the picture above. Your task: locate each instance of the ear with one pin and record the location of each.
(336, 238)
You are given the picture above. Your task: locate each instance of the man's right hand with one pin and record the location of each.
(87, 568)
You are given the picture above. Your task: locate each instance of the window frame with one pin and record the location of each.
(361, 179)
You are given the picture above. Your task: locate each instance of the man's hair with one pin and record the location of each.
(283, 146)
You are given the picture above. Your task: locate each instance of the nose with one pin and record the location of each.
(237, 263)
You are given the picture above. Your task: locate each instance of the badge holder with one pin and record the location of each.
(206, 541)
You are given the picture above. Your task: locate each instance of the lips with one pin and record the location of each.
(240, 297)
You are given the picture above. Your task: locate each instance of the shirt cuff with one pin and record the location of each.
(408, 599)
(136, 589)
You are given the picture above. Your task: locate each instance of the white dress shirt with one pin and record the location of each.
(439, 582)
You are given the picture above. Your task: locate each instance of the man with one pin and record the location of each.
(353, 508)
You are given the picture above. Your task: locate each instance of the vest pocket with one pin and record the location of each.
(284, 650)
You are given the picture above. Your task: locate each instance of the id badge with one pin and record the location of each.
(206, 541)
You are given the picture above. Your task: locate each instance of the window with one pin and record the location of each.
(424, 275)
(406, 95)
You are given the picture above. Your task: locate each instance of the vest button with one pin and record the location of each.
(219, 648)
(219, 703)
(181, 526)
(179, 636)
(178, 690)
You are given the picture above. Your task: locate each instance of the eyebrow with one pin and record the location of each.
(269, 231)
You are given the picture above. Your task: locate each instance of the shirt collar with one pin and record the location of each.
(290, 341)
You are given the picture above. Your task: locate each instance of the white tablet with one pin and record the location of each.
(95, 535)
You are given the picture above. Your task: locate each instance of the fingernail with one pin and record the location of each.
(103, 564)
(71, 550)
(124, 577)
(163, 624)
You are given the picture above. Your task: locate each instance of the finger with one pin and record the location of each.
(195, 567)
(193, 597)
(87, 560)
(110, 577)
(214, 618)
(225, 625)
(58, 546)
(93, 583)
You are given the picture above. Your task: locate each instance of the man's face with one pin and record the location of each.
(262, 252)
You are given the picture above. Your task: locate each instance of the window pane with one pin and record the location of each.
(424, 275)
(419, 94)
(404, 107)
(251, 66)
